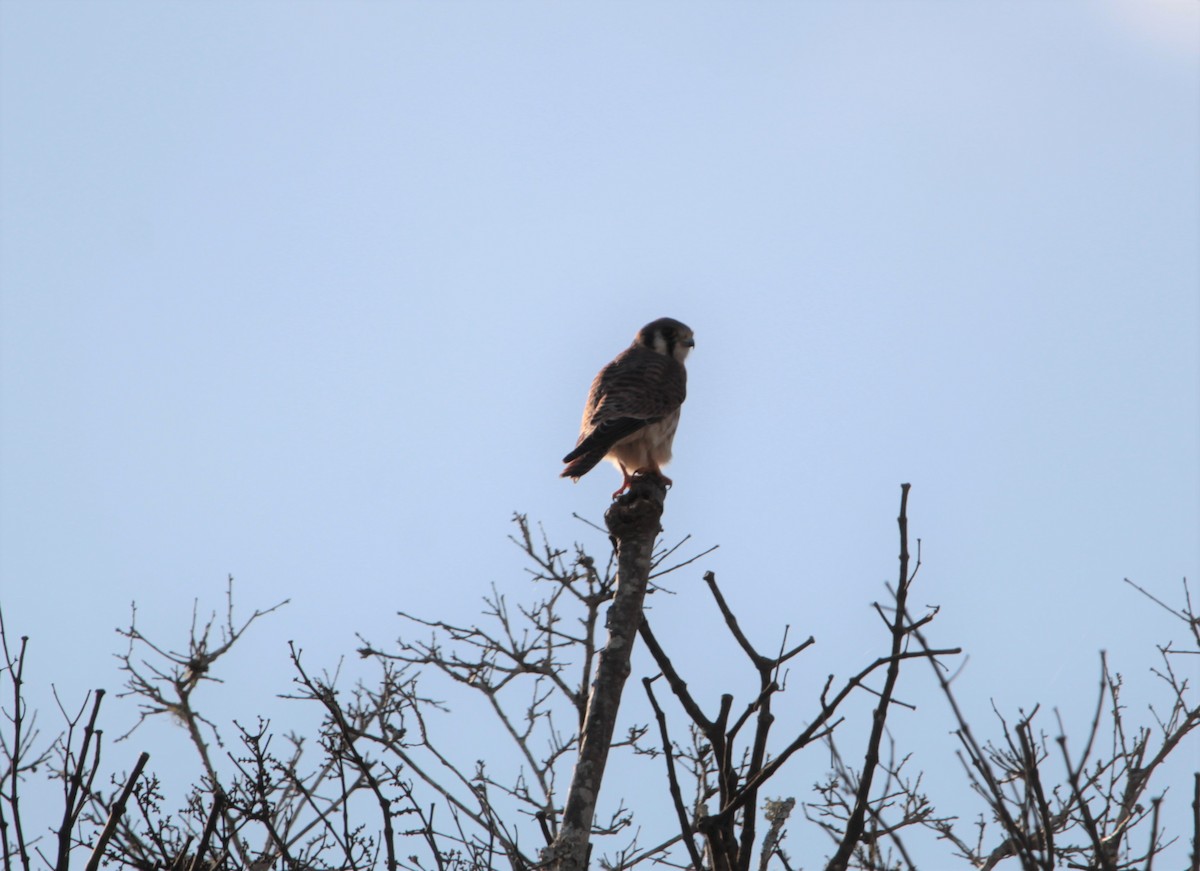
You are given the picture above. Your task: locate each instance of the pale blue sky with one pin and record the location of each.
(311, 293)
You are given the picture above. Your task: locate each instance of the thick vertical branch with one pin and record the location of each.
(78, 779)
(681, 812)
(210, 826)
(633, 523)
(857, 820)
(15, 666)
(1196, 822)
(118, 811)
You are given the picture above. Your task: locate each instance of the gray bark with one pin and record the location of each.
(633, 524)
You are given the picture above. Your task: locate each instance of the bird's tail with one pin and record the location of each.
(581, 461)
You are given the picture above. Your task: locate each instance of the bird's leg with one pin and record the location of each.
(625, 484)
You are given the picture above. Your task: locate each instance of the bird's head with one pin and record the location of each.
(667, 336)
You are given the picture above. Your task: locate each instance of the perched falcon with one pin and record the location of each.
(633, 407)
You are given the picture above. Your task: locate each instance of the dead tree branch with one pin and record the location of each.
(633, 523)
(900, 633)
(117, 812)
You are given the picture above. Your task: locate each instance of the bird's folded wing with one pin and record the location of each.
(600, 438)
(639, 384)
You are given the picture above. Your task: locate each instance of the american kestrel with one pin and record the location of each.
(633, 407)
